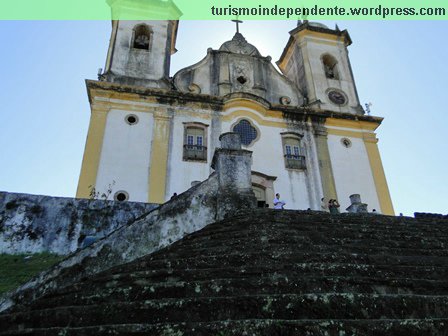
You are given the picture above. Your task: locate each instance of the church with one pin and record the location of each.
(152, 135)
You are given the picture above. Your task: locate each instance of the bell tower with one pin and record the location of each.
(316, 59)
(140, 50)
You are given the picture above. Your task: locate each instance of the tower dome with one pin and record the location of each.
(311, 24)
(318, 25)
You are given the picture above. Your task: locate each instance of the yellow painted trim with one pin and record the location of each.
(248, 114)
(135, 103)
(355, 124)
(159, 159)
(92, 153)
(149, 109)
(325, 167)
(124, 96)
(253, 108)
(241, 102)
(284, 62)
(379, 178)
(345, 133)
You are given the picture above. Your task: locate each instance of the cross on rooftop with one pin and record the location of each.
(237, 24)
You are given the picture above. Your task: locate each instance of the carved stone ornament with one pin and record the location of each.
(194, 88)
(239, 45)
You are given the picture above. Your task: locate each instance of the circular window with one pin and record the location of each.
(247, 132)
(346, 142)
(131, 119)
(121, 196)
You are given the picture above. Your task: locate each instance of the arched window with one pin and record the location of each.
(247, 132)
(195, 142)
(292, 151)
(330, 67)
(142, 37)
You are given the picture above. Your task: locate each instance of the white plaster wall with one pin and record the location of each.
(202, 77)
(352, 172)
(313, 49)
(125, 155)
(181, 173)
(140, 63)
(267, 158)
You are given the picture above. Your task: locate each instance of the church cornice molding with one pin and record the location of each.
(171, 97)
(163, 96)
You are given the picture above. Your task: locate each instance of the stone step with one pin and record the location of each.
(139, 289)
(298, 217)
(293, 270)
(286, 306)
(268, 327)
(325, 237)
(265, 260)
(244, 227)
(333, 246)
(310, 240)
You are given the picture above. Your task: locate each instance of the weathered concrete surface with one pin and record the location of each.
(356, 205)
(34, 223)
(186, 213)
(238, 67)
(264, 272)
(233, 167)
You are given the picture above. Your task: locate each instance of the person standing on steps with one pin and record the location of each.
(333, 205)
(278, 204)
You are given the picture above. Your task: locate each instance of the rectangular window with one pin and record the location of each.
(195, 142)
(190, 140)
(288, 150)
(296, 151)
(292, 153)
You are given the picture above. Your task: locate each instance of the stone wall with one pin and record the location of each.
(190, 211)
(34, 224)
(185, 214)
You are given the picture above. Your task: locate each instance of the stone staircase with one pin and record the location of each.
(264, 272)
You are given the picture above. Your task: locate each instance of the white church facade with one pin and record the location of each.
(152, 135)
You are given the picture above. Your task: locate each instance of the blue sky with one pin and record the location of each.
(399, 66)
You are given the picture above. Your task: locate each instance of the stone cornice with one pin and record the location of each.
(171, 97)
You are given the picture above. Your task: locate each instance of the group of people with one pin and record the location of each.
(332, 206)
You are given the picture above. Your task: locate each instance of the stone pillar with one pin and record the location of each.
(159, 157)
(224, 84)
(233, 168)
(356, 205)
(323, 153)
(382, 190)
(92, 153)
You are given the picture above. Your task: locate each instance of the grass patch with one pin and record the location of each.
(17, 269)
